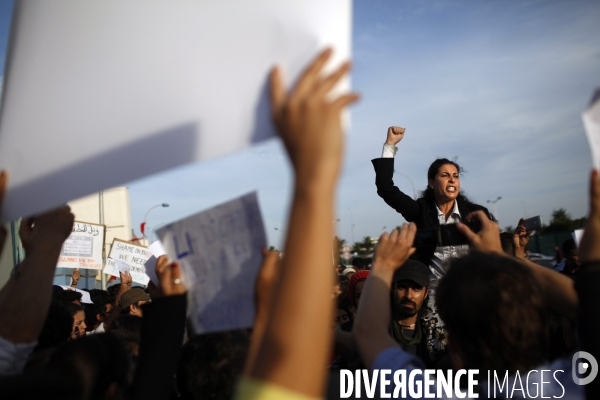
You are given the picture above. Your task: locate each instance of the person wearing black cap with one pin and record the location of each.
(415, 325)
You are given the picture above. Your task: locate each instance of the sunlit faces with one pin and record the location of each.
(78, 325)
(446, 184)
(408, 298)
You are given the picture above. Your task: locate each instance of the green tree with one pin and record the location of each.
(561, 221)
(365, 247)
(340, 243)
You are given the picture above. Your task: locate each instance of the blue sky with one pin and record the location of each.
(499, 85)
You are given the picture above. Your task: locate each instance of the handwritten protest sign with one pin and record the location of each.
(83, 247)
(134, 255)
(220, 252)
(178, 89)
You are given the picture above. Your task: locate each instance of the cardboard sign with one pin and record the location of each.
(83, 247)
(112, 82)
(220, 252)
(135, 256)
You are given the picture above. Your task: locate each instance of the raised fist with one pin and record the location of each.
(394, 135)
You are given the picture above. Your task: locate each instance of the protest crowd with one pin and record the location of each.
(466, 303)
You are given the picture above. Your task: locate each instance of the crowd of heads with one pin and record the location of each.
(493, 310)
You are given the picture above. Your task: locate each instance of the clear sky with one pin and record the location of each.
(499, 85)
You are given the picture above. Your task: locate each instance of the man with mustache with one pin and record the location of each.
(413, 324)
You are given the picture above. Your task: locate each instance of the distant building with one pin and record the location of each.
(110, 207)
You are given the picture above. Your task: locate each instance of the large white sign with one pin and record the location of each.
(220, 252)
(135, 256)
(98, 93)
(83, 247)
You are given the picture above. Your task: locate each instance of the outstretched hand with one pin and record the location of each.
(520, 239)
(394, 135)
(169, 277)
(308, 120)
(487, 239)
(589, 249)
(394, 249)
(75, 277)
(49, 229)
(126, 279)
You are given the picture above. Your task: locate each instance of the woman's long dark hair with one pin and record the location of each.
(433, 170)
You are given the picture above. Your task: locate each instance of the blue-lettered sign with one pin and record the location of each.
(220, 252)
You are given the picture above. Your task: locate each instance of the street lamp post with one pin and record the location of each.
(495, 209)
(143, 224)
(352, 223)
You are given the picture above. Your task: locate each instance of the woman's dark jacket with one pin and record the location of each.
(422, 212)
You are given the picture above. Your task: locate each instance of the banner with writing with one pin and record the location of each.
(220, 253)
(132, 254)
(83, 247)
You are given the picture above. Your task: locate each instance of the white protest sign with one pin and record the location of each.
(135, 256)
(220, 253)
(83, 247)
(112, 82)
(591, 122)
(122, 266)
(157, 250)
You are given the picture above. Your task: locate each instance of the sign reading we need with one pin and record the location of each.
(220, 253)
(132, 254)
(83, 247)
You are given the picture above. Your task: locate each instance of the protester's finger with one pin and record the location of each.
(329, 82)
(397, 130)
(402, 233)
(411, 232)
(307, 79)
(395, 235)
(384, 237)
(162, 263)
(345, 100)
(465, 230)
(277, 91)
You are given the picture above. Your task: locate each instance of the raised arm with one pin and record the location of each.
(374, 312)
(588, 281)
(30, 286)
(384, 174)
(559, 290)
(295, 348)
